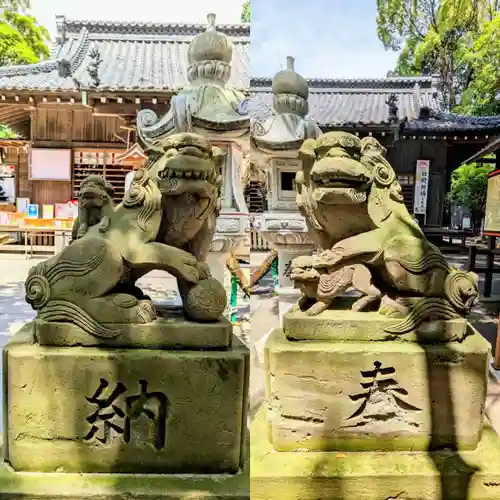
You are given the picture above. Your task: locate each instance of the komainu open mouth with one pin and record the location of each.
(189, 162)
(338, 180)
(188, 173)
(339, 173)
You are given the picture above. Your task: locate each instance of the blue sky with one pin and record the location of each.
(328, 38)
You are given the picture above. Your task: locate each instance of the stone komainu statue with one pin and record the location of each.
(95, 205)
(356, 215)
(166, 221)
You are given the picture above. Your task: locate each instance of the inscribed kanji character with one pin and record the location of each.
(138, 405)
(381, 382)
(110, 416)
(105, 418)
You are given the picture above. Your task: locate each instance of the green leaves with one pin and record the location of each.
(441, 37)
(22, 40)
(16, 5)
(7, 133)
(468, 186)
(245, 12)
(483, 56)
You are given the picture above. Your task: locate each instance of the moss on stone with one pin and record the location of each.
(469, 475)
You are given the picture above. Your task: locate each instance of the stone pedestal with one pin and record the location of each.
(71, 486)
(286, 253)
(286, 232)
(303, 475)
(354, 419)
(360, 396)
(111, 412)
(217, 263)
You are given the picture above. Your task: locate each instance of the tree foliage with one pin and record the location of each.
(435, 37)
(482, 96)
(7, 133)
(468, 188)
(15, 5)
(245, 12)
(22, 39)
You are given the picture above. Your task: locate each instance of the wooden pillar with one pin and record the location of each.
(496, 361)
(490, 264)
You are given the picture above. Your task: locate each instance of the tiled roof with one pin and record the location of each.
(135, 57)
(152, 57)
(354, 102)
(440, 123)
(362, 102)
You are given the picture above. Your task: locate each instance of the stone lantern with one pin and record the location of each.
(275, 141)
(210, 107)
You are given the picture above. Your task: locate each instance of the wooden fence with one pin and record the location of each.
(257, 242)
(43, 241)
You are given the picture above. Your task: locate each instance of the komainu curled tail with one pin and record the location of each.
(461, 291)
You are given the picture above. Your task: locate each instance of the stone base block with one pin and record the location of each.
(170, 331)
(86, 409)
(57, 486)
(468, 475)
(375, 395)
(352, 326)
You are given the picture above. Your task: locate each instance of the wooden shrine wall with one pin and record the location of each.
(67, 126)
(403, 156)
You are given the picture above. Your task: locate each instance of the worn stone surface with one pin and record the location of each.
(356, 215)
(320, 290)
(84, 409)
(345, 325)
(469, 475)
(165, 222)
(375, 395)
(171, 330)
(63, 486)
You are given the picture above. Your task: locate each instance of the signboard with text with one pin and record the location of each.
(492, 210)
(421, 187)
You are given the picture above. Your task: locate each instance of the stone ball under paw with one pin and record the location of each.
(206, 300)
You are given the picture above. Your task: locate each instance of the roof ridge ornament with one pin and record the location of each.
(392, 103)
(211, 18)
(61, 29)
(64, 67)
(93, 66)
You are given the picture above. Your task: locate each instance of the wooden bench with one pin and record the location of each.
(491, 252)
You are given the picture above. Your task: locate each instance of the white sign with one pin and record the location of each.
(50, 165)
(421, 187)
(128, 180)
